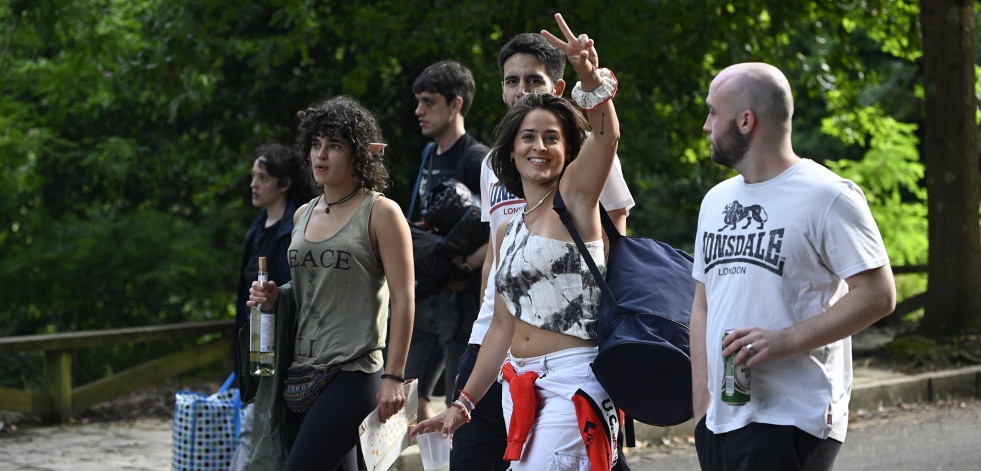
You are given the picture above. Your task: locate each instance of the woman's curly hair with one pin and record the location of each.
(346, 117)
(574, 127)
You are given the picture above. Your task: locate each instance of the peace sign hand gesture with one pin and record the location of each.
(580, 50)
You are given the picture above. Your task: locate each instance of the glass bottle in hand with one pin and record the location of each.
(262, 330)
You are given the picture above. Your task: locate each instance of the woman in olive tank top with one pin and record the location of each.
(351, 260)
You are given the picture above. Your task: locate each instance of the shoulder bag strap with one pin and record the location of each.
(458, 171)
(430, 148)
(611, 232)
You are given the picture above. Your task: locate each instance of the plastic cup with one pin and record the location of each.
(434, 450)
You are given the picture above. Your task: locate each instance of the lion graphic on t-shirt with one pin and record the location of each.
(736, 212)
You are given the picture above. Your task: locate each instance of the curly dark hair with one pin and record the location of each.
(346, 117)
(285, 164)
(574, 127)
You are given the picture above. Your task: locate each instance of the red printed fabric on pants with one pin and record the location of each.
(575, 423)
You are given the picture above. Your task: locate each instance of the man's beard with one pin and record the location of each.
(736, 145)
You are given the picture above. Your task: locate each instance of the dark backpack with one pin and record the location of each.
(644, 359)
(453, 211)
(452, 224)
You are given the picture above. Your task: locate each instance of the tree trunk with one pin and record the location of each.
(951, 156)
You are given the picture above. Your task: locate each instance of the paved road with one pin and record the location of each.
(934, 437)
(945, 436)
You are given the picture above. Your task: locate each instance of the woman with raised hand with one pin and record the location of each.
(350, 255)
(544, 325)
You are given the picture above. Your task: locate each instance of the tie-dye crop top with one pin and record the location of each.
(546, 283)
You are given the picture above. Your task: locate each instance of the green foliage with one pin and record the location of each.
(126, 127)
(889, 173)
(106, 221)
(896, 28)
(907, 286)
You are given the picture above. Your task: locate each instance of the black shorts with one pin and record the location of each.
(763, 446)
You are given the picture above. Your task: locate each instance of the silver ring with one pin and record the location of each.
(749, 348)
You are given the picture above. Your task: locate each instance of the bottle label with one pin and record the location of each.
(254, 329)
(267, 342)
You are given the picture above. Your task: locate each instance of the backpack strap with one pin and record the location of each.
(461, 166)
(611, 232)
(475, 150)
(430, 148)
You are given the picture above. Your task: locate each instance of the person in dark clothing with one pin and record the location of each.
(279, 185)
(444, 92)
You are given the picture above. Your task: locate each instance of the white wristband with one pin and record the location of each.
(591, 100)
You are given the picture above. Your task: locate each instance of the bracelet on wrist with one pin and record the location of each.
(591, 100)
(396, 378)
(468, 398)
(459, 405)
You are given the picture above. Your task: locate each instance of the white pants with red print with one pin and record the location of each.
(576, 424)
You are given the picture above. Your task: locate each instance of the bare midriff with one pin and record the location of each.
(530, 341)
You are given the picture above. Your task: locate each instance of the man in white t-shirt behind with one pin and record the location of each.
(788, 256)
(528, 63)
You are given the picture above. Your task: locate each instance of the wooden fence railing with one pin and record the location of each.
(60, 400)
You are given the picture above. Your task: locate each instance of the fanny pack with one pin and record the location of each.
(304, 384)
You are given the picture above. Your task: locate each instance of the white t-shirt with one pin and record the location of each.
(497, 206)
(772, 255)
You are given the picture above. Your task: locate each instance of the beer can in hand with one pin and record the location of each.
(735, 381)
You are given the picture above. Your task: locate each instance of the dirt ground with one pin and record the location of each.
(142, 444)
(132, 432)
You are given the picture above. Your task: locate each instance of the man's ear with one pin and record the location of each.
(286, 183)
(746, 121)
(559, 87)
(456, 104)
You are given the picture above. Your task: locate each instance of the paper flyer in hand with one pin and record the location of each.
(381, 444)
